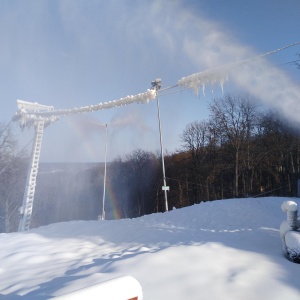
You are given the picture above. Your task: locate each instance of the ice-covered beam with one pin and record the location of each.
(33, 106)
(29, 113)
(139, 98)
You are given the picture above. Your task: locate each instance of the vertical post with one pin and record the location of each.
(104, 180)
(157, 84)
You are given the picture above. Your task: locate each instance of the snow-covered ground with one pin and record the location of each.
(229, 249)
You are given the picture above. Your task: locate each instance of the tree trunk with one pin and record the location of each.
(236, 172)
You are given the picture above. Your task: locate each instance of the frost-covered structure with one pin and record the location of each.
(289, 231)
(40, 116)
(29, 113)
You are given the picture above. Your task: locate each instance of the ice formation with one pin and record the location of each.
(27, 113)
(202, 79)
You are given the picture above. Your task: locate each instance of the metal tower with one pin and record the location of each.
(27, 117)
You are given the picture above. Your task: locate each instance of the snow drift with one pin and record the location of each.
(227, 249)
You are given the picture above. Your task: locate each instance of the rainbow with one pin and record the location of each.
(112, 203)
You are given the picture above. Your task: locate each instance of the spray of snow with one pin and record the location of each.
(209, 45)
(87, 136)
(272, 86)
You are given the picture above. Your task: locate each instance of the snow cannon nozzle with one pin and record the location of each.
(156, 84)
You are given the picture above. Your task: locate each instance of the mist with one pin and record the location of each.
(272, 86)
(211, 47)
(88, 136)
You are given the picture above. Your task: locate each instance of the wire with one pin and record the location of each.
(291, 62)
(219, 189)
(19, 153)
(258, 195)
(277, 50)
(172, 92)
(198, 184)
(6, 127)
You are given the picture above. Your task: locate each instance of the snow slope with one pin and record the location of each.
(229, 249)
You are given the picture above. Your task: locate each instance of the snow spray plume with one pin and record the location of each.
(131, 119)
(185, 41)
(212, 47)
(208, 46)
(79, 144)
(86, 128)
(89, 124)
(131, 124)
(69, 191)
(272, 86)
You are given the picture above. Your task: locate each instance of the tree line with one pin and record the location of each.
(239, 151)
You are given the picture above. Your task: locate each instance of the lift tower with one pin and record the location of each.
(28, 117)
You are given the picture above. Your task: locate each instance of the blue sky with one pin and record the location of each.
(72, 53)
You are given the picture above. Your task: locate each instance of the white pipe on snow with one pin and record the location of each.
(120, 288)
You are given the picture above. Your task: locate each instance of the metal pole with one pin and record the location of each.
(104, 180)
(156, 84)
(162, 158)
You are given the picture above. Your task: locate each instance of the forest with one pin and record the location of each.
(240, 151)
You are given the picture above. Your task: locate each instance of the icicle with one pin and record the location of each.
(207, 77)
(195, 88)
(222, 86)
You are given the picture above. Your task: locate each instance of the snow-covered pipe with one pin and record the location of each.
(288, 227)
(120, 288)
(290, 207)
(29, 112)
(292, 245)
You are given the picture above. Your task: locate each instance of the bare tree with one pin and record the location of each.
(12, 179)
(134, 181)
(233, 120)
(141, 176)
(278, 156)
(198, 140)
